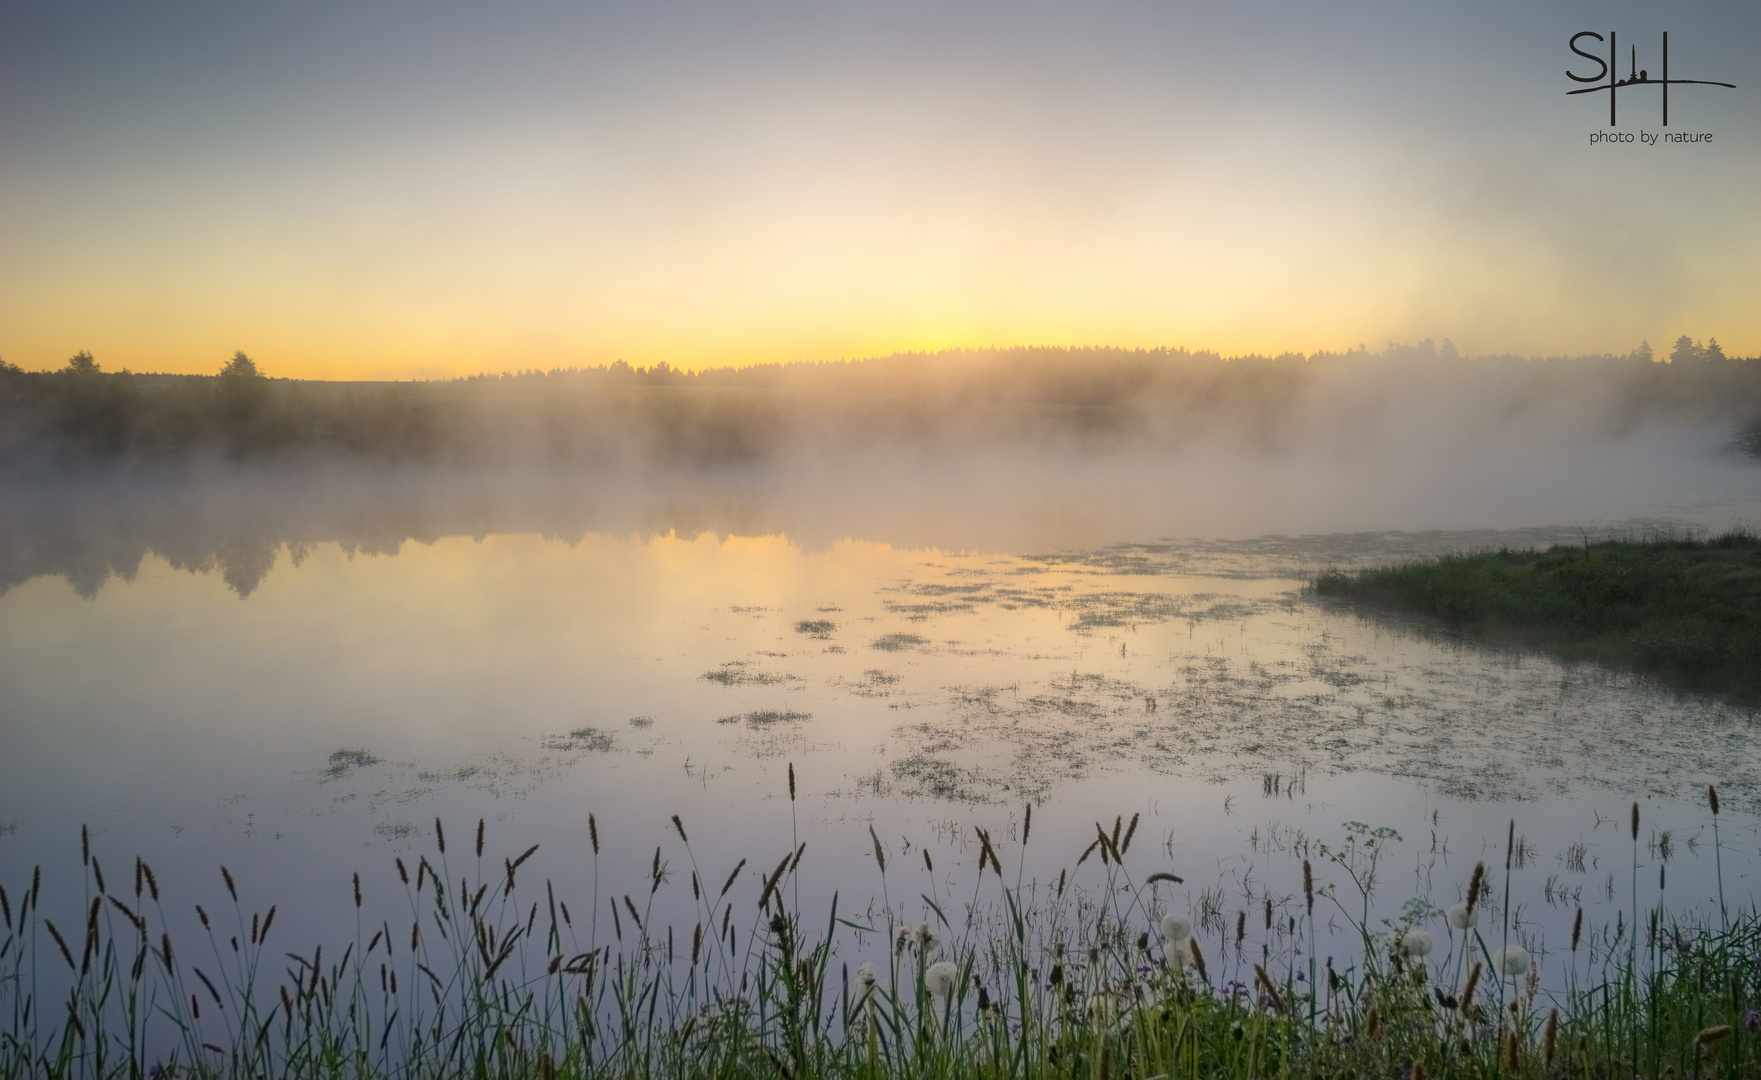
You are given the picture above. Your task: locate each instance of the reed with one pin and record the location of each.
(1089, 980)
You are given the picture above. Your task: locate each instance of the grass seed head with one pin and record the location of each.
(1467, 990)
(60, 943)
(1269, 988)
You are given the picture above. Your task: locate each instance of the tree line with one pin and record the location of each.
(616, 412)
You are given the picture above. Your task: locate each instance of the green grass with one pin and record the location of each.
(1687, 611)
(497, 979)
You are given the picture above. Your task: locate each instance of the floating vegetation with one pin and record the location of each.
(898, 642)
(590, 739)
(926, 775)
(349, 758)
(766, 717)
(820, 629)
(742, 673)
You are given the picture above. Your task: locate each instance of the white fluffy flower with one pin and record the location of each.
(1176, 958)
(1461, 918)
(940, 978)
(865, 974)
(927, 938)
(1414, 942)
(1176, 929)
(1511, 960)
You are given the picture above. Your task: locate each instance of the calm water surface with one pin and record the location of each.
(301, 703)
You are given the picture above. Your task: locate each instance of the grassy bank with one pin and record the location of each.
(1095, 976)
(1687, 611)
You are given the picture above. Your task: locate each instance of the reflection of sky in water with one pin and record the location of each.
(319, 725)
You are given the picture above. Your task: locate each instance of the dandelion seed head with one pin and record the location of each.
(1461, 917)
(1511, 960)
(1176, 928)
(927, 938)
(941, 977)
(1415, 943)
(865, 974)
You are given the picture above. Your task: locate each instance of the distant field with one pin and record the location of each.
(1687, 611)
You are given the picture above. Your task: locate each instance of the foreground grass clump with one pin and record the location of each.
(1090, 980)
(1688, 611)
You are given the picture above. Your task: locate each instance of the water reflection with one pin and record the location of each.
(529, 655)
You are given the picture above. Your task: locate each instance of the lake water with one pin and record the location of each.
(296, 679)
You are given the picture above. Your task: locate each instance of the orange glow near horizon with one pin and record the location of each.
(461, 193)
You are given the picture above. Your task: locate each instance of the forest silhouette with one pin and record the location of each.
(1099, 397)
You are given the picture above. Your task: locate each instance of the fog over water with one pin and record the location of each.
(293, 668)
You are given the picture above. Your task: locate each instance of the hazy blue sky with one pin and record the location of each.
(399, 188)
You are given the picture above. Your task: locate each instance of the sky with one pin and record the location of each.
(416, 190)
